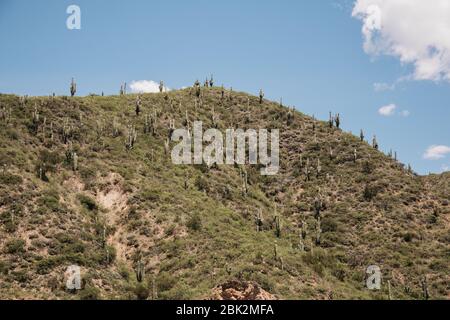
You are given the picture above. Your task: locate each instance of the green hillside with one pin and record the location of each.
(73, 192)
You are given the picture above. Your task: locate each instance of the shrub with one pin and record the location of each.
(88, 202)
(195, 223)
(141, 291)
(15, 246)
(89, 293)
(165, 281)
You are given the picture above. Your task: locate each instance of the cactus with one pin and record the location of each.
(186, 179)
(424, 284)
(307, 170)
(140, 270)
(222, 93)
(337, 120)
(275, 251)
(374, 142)
(318, 231)
(319, 168)
(277, 225)
(361, 135)
(131, 138)
(104, 236)
(75, 161)
(304, 230)
(259, 221)
(167, 146)
(389, 290)
(73, 88)
(318, 205)
(301, 244)
(161, 86)
(138, 105)
(261, 96)
(154, 289)
(115, 128)
(244, 177)
(211, 82)
(330, 121)
(197, 88)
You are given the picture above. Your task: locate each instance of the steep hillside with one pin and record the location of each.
(71, 192)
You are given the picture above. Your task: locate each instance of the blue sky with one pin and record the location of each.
(308, 52)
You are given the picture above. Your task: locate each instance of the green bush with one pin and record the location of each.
(88, 202)
(195, 223)
(89, 293)
(15, 246)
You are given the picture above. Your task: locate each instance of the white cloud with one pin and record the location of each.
(436, 152)
(417, 32)
(388, 110)
(145, 86)
(445, 168)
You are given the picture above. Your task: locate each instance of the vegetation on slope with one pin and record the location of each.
(89, 181)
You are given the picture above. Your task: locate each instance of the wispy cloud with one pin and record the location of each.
(383, 86)
(417, 32)
(145, 86)
(388, 110)
(436, 152)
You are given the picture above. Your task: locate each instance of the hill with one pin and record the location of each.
(74, 190)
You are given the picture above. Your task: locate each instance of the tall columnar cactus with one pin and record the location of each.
(337, 120)
(104, 236)
(73, 88)
(75, 161)
(222, 93)
(374, 142)
(275, 251)
(318, 231)
(131, 137)
(307, 170)
(115, 128)
(138, 105)
(211, 81)
(425, 292)
(261, 96)
(244, 177)
(319, 168)
(330, 121)
(277, 225)
(318, 205)
(361, 135)
(304, 229)
(161, 86)
(259, 221)
(389, 290)
(167, 146)
(198, 89)
(140, 270)
(301, 244)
